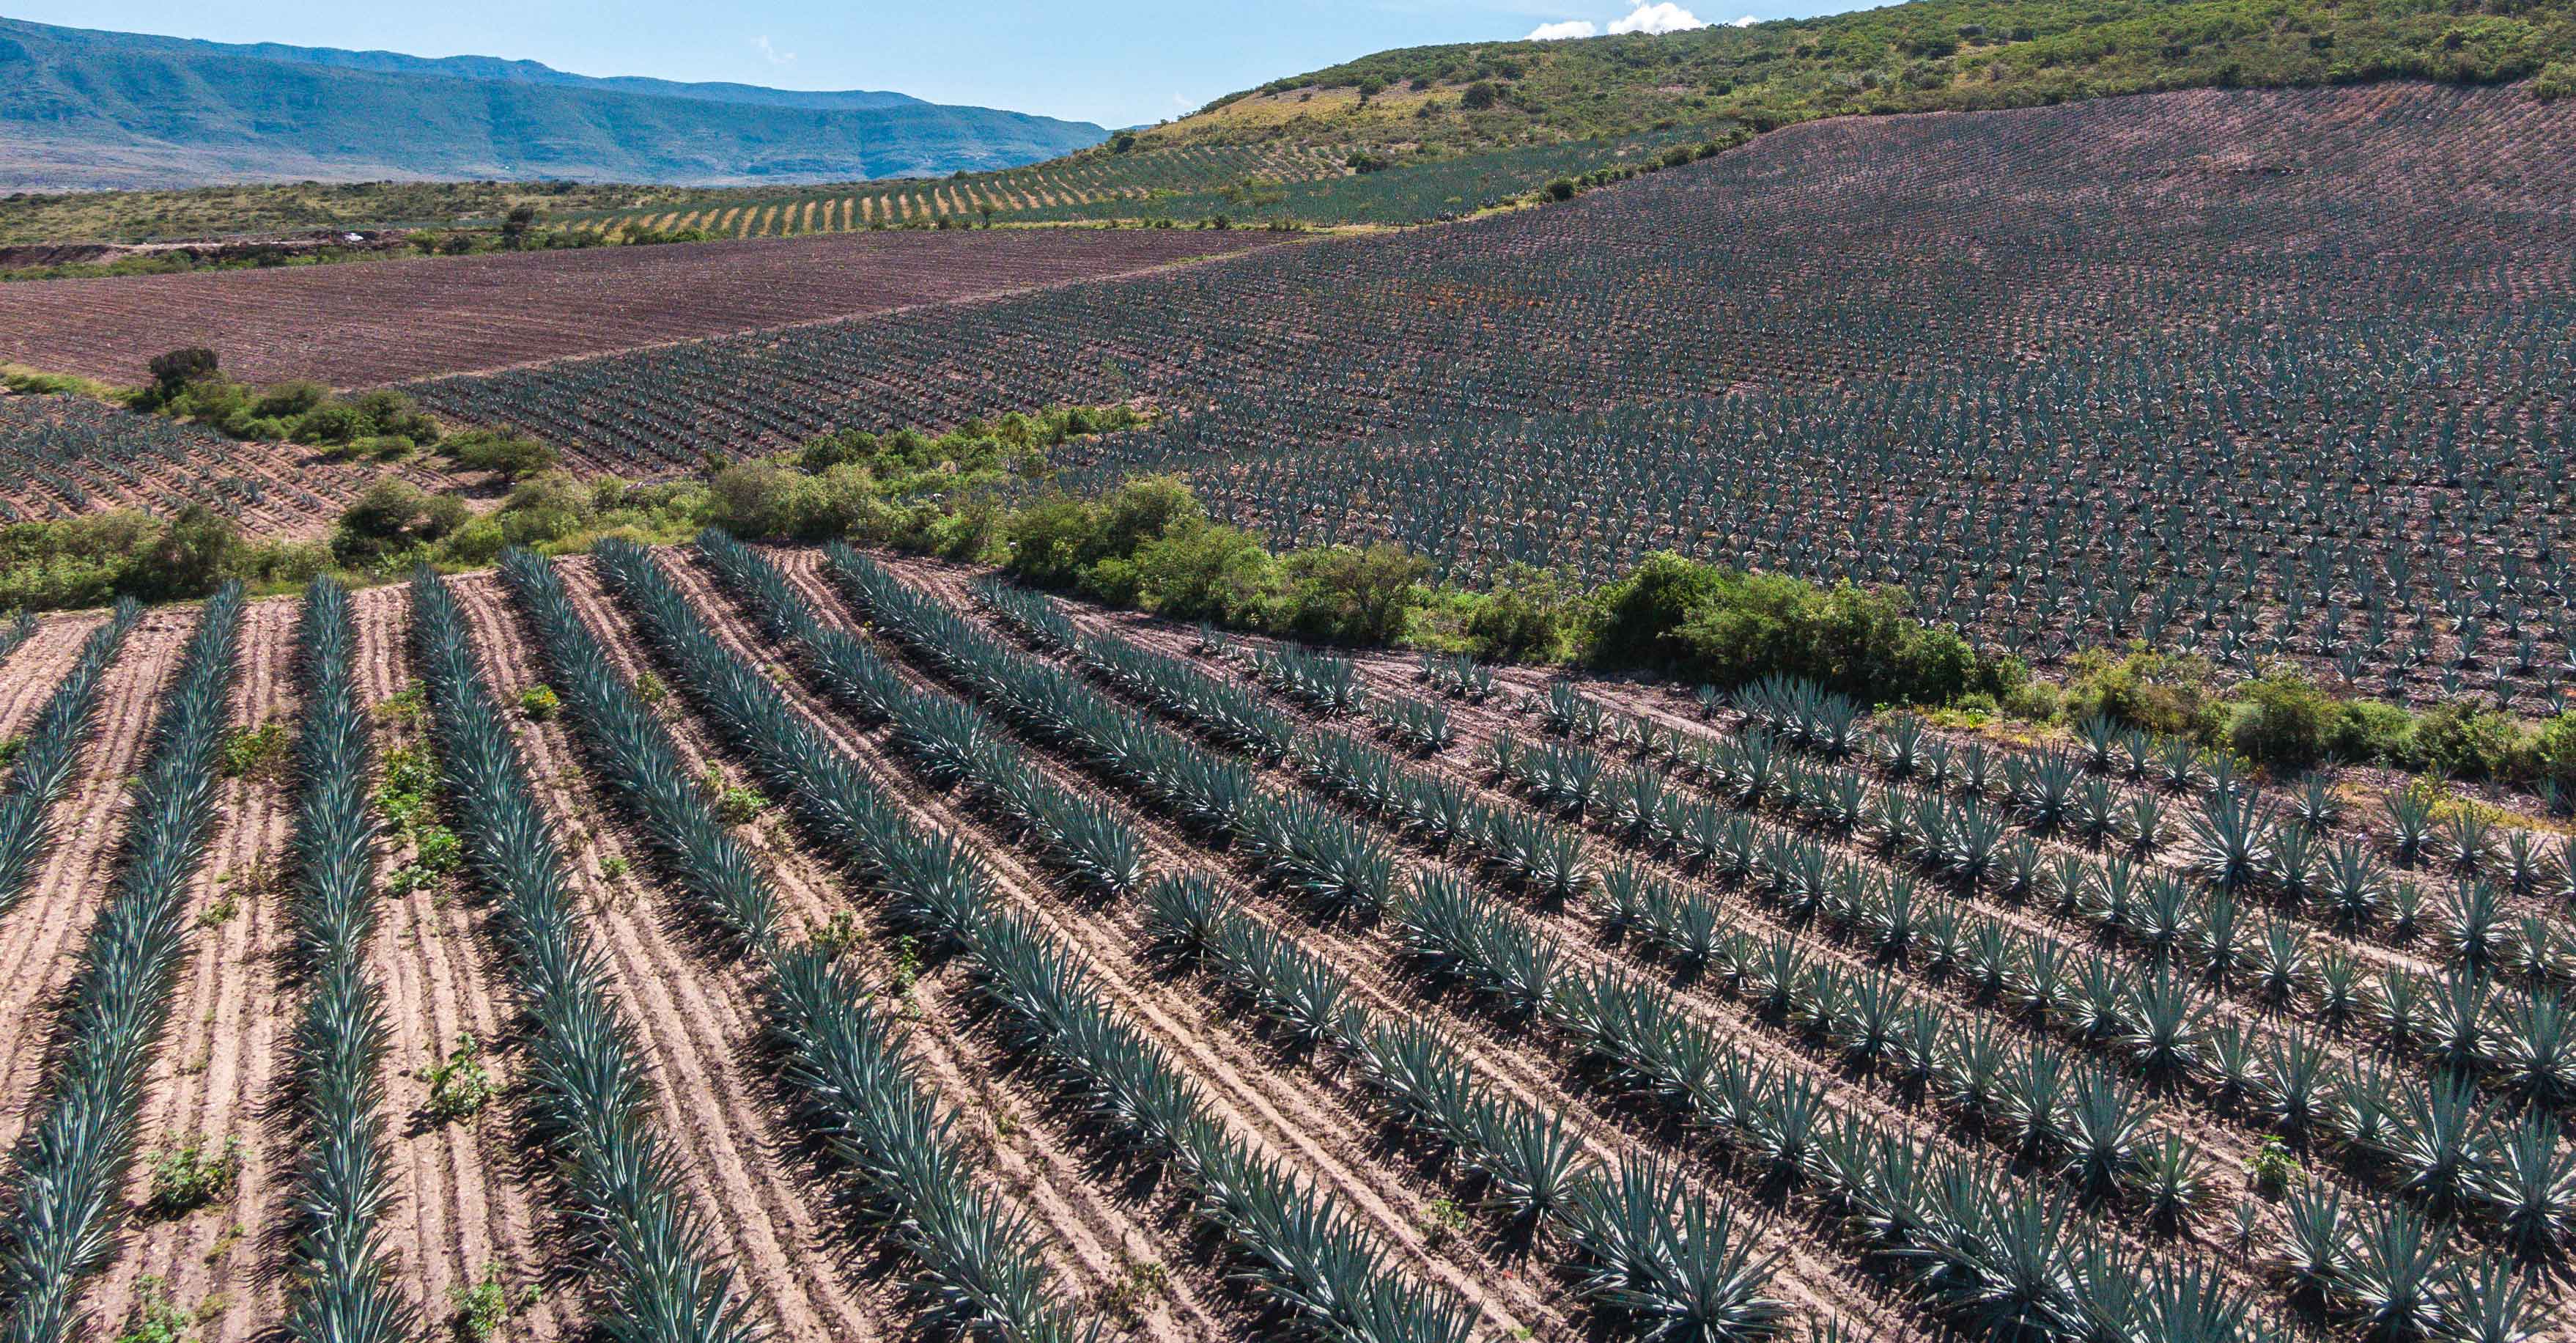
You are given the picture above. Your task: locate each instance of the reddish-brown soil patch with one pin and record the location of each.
(357, 325)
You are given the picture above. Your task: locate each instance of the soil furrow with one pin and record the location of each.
(1280, 1114)
(697, 1030)
(40, 939)
(221, 1062)
(34, 668)
(1095, 1241)
(464, 1201)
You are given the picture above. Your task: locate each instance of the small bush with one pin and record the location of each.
(2553, 751)
(515, 456)
(174, 371)
(1529, 615)
(539, 702)
(254, 751)
(460, 1086)
(190, 1177)
(2371, 732)
(2281, 721)
(2466, 742)
(2164, 693)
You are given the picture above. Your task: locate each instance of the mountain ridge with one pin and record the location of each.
(87, 109)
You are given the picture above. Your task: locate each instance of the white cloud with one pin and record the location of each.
(1746, 22)
(1558, 32)
(1665, 17)
(771, 53)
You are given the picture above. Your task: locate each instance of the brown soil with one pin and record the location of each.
(1282, 1115)
(41, 939)
(29, 676)
(1511, 1062)
(226, 1050)
(357, 325)
(463, 1200)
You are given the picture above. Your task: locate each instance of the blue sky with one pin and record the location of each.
(1117, 62)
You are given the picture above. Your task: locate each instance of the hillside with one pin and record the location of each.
(1928, 55)
(83, 109)
(1562, 108)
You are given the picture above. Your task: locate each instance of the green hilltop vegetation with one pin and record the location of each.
(1928, 55)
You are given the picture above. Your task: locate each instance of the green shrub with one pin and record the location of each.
(2466, 742)
(2372, 731)
(334, 423)
(1641, 614)
(189, 558)
(2166, 693)
(1528, 616)
(1348, 595)
(2031, 701)
(1209, 573)
(2282, 721)
(539, 702)
(2553, 750)
(393, 516)
(515, 456)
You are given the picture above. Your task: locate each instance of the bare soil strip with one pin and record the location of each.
(464, 1203)
(1101, 1245)
(37, 666)
(1283, 1115)
(1514, 1062)
(219, 1075)
(40, 940)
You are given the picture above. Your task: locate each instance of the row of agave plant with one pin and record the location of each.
(2003, 1260)
(1656, 1252)
(1309, 1257)
(2280, 845)
(2445, 1150)
(1240, 718)
(978, 1273)
(67, 1187)
(1457, 676)
(22, 627)
(47, 751)
(949, 744)
(1656, 1255)
(1301, 846)
(1414, 724)
(2507, 1029)
(2489, 1018)
(592, 1098)
(1324, 682)
(2442, 1148)
(343, 1293)
(2058, 1282)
